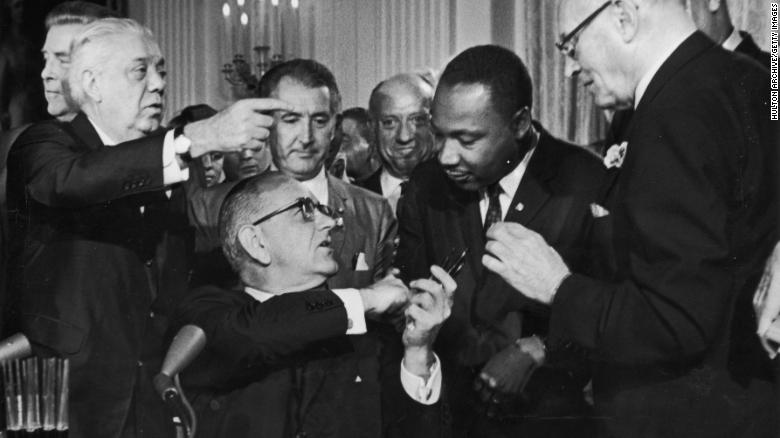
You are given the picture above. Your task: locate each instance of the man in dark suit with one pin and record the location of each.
(277, 362)
(100, 231)
(690, 213)
(400, 114)
(496, 164)
(299, 140)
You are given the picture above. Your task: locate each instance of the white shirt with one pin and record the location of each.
(509, 184)
(415, 386)
(391, 187)
(318, 186)
(644, 82)
(732, 41)
(172, 172)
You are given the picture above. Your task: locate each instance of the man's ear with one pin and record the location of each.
(626, 15)
(252, 240)
(521, 122)
(90, 85)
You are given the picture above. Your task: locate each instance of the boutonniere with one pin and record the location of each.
(615, 155)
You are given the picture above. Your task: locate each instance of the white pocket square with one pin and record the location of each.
(360, 262)
(598, 211)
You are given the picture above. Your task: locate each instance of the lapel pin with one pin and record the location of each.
(519, 206)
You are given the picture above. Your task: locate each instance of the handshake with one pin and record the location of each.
(425, 304)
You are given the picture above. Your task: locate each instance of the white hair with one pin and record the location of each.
(88, 51)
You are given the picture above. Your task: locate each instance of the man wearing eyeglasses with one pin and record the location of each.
(279, 361)
(690, 215)
(400, 114)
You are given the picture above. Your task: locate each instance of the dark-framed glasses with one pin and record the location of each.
(416, 120)
(568, 42)
(307, 205)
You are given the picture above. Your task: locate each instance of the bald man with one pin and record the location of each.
(400, 112)
(686, 219)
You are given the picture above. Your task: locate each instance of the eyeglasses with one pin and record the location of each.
(307, 206)
(568, 42)
(391, 123)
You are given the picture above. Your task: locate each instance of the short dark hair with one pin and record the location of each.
(78, 12)
(308, 73)
(243, 205)
(498, 69)
(359, 115)
(190, 114)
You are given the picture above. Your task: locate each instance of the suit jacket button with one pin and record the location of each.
(214, 405)
(149, 263)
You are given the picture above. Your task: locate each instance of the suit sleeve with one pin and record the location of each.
(58, 172)
(682, 271)
(411, 258)
(265, 333)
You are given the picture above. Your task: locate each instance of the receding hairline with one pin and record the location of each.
(406, 81)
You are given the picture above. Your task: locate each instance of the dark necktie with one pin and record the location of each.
(494, 206)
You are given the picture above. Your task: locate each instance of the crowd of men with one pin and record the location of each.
(437, 264)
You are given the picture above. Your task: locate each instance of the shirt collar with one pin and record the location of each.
(644, 82)
(258, 294)
(318, 186)
(732, 41)
(107, 141)
(511, 181)
(389, 182)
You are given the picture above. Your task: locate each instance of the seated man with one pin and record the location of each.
(276, 362)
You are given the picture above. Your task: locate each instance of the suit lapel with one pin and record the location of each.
(339, 202)
(532, 193)
(465, 206)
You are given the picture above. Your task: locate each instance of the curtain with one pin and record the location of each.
(561, 105)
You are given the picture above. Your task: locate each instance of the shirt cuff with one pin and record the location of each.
(172, 172)
(355, 311)
(417, 388)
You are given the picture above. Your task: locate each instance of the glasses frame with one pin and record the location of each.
(301, 203)
(565, 44)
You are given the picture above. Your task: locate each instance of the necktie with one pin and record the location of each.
(494, 206)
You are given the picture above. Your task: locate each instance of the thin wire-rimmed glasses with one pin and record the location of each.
(307, 206)
(568, 42)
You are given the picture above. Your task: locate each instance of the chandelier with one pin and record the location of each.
(240, 75)
(268, 26)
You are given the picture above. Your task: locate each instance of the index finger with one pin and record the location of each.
(265, 104)
(446, 281)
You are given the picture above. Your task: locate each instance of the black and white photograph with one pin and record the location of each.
(389, 219)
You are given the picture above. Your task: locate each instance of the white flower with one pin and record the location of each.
(615, 155)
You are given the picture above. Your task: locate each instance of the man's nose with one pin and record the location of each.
(305, 135)
(448, 155)
(156, 81)
(247, 154)
(48, 69)
(405, 133)
(323, 221)
(571, 67)
(208, 162)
